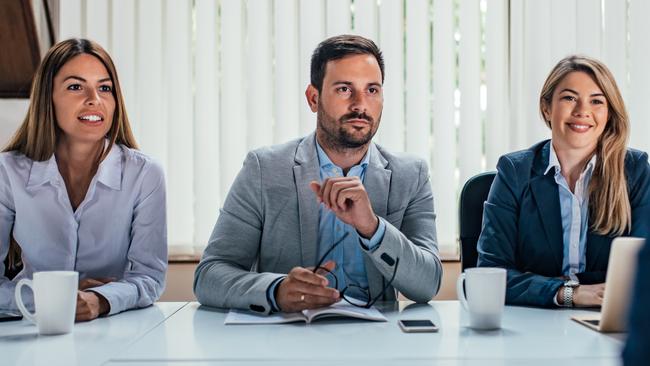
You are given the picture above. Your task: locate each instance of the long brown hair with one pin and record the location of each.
(37, 136)
(610, 212)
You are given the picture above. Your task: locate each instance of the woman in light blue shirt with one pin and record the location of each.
(75, 194)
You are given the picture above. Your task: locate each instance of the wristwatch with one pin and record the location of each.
(569, 285)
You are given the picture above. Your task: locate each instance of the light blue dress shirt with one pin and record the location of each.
(119, 230)
(574, 209)
(348, 255)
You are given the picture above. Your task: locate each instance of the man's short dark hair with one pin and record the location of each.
(338, 47)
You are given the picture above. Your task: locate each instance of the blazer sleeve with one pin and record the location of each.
(497, 244)
(640, 198)
(636, 350)
(224, 278)
(419, 270)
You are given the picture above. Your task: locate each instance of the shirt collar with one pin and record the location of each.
(43, 172)
(325, 161)
(109, 172)
(554, 162)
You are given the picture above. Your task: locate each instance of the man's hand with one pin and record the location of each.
(348, 199)
(585, 295)
(90, 305)
(304, 289)
(87, 283)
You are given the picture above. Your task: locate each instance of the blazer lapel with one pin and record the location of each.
(377, 181)
(546, 196)
(306, 170)
(377, 184)
(597, 251)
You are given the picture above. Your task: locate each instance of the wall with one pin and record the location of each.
(12, 112)
(181, 275)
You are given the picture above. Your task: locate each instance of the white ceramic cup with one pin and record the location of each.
(486, 295)
(55, 300)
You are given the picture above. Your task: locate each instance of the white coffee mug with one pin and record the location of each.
(486, 294)
(55, 300)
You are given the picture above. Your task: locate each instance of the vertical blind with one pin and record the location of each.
(206, 80)
(542, 32)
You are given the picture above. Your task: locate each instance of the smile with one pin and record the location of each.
(91, 118)
(579, 127)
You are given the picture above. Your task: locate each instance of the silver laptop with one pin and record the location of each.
(621, 272)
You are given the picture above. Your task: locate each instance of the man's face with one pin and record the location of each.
(350, 103)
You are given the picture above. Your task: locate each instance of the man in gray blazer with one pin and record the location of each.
(332, 200)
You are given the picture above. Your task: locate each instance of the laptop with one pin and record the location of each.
(621, 273)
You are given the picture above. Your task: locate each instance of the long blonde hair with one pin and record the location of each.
(610, 212)
(37, 136)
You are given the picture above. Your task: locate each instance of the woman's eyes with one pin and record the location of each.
(571, 98)
(102, 88)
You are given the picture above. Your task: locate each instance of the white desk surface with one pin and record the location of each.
(196, 335)
(90, 343)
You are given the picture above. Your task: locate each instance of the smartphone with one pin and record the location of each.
(7, 317)
(417, 326)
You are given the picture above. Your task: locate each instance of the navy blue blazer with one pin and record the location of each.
(522, 225)
(637, 348)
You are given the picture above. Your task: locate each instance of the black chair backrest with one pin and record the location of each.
(472, 197)
(11, 270)
(10, 273)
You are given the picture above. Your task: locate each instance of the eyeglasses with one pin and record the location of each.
(366, 301)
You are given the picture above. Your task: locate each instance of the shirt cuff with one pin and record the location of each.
(120, 295)
(112, 296)
(555, 300)
(270, 294)
(371, 244)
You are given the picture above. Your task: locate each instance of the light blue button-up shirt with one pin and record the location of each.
(119, 230)
(348, 255)
(574, 209)
(350, 267)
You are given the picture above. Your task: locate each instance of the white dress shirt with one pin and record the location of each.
(119, 230)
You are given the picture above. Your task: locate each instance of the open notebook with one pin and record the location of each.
(338, 310)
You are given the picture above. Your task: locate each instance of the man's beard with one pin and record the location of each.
(335, 134)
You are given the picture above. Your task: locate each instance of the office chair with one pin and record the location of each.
(472, 197)
(10, 273)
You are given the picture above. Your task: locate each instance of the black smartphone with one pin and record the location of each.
(7, 317)
(417, 326)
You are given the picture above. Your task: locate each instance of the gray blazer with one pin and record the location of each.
(269, 225)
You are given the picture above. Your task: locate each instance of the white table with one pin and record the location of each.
(91, 343)
(196, 335)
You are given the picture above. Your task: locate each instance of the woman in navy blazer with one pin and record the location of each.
(554, 208)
